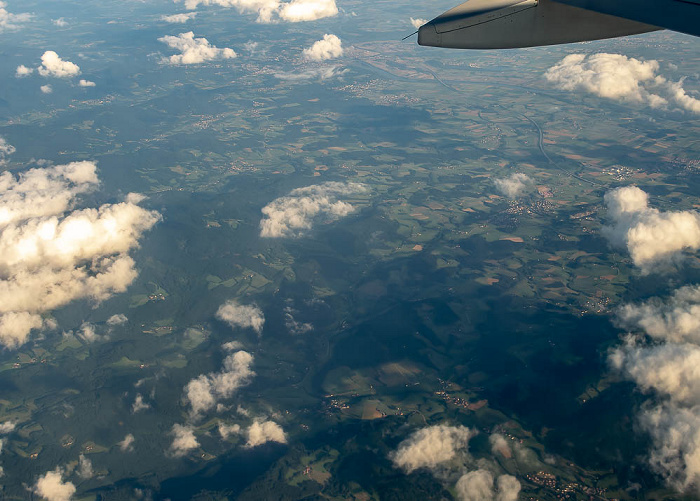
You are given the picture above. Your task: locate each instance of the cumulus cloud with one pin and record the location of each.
(9, 21)
(621, 78)
(675, 432)
(87, 333)
(51, 254)
(295, 214)
(139, 404)
(514, 186)
(653, 238)
(15, 327)
(53, 66)
(307, 10)
(475, 486)
(240, 315)
(203, 392)
(7, 427)
(84, 467)
(478, 486)
(200, 395)
(6, 149)
(194, 50)
(663, 360)
(23, 71)
(60, 22)
(261, 432)
(417, 23)
(226, 430)
(676, 319)
(431, 446)
(232, 346)
(271, 11)
(117, 319)
(178, 18)
(86, 83)
(51, 486)
(671, 370)
(46, 89)
(330, 47)
(127, 445)
(184, 440)
(507, 488)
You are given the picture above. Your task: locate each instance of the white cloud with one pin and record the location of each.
(139, 404)
(86, 83)
(203, 392)
(653, 238)
(271, 11)
(475, 486)
(46, 89)
(117, 319)
(15, 327)
(9, 21)
(179, 18)
(194, 50)
(478, 486)
(261, 432)
(199, 393)
(507, 488)
(84, 467)
(431, 446)
(53, 66)
(227, 430)
(417, 23)
(667, 365)
(678, 94)
(51, 255)
(307, 10)
(617, 77)
(330, 47)
(127, 445)
(87, 333)
(7, 427)
(515, 185)
(499, 445)
(295, 214)
(60, 22)
(6, 149)
(235, 374)
(232, 346)
(23, 71)
(669, 369)
(676, 319)
(239, 315)
(675, 432)
(184, 440)
(51, 487)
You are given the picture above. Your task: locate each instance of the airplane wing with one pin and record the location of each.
(504, 24)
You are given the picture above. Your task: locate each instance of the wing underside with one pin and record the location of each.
(500, 24)
(676, 15)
